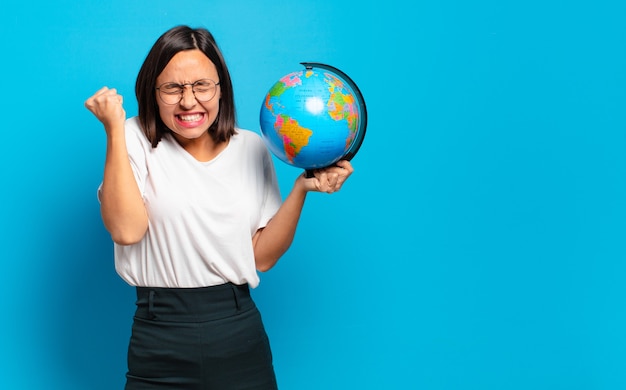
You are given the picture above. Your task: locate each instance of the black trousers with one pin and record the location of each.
(198, 338)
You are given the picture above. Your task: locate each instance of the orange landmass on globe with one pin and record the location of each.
(295, 137)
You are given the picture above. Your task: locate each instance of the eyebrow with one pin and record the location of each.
(190, 82)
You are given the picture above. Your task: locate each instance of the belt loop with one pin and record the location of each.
(234, 288)
(151, 304)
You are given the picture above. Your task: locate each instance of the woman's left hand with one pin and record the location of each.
(330, 179)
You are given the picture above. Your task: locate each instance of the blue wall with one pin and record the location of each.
(479, 245)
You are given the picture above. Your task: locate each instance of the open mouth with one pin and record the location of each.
(191, 119)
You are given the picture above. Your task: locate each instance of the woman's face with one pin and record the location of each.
(189, 118)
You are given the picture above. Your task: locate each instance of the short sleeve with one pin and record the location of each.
(271, 197)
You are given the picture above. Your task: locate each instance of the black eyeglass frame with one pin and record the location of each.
(181, 87)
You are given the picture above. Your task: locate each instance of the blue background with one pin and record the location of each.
(479, 244)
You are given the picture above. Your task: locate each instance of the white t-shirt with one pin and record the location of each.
(202, 215)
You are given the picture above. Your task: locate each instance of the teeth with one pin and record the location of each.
(190, 118)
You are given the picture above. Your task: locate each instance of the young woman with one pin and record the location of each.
(193, 207)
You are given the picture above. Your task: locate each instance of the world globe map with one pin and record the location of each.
(314, 117)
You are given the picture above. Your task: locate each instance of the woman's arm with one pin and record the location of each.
(121, 205)
(271, 242)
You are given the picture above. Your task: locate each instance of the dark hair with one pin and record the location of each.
(169, 44)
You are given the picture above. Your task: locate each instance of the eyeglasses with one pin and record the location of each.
(203, 90)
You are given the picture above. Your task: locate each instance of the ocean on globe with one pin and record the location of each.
(314, 117)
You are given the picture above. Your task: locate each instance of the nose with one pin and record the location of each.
(188, 99)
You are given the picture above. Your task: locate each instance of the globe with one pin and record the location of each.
(313, 117)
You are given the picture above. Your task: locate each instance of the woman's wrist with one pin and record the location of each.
(300, 185)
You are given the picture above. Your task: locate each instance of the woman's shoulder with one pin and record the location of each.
(134, 133)
(247, 134)
(132, 125)
(249, 143)
(248, 137)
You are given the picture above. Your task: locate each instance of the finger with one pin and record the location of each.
(96, 96)
(345, 164)
(111, 98)
(340, 180)
(104, 92)
(323, 181)
(338, 174)
(345, 171)
(104, 89)
(346, 167)
(333, 179)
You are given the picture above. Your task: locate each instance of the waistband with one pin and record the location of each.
(192, 304)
